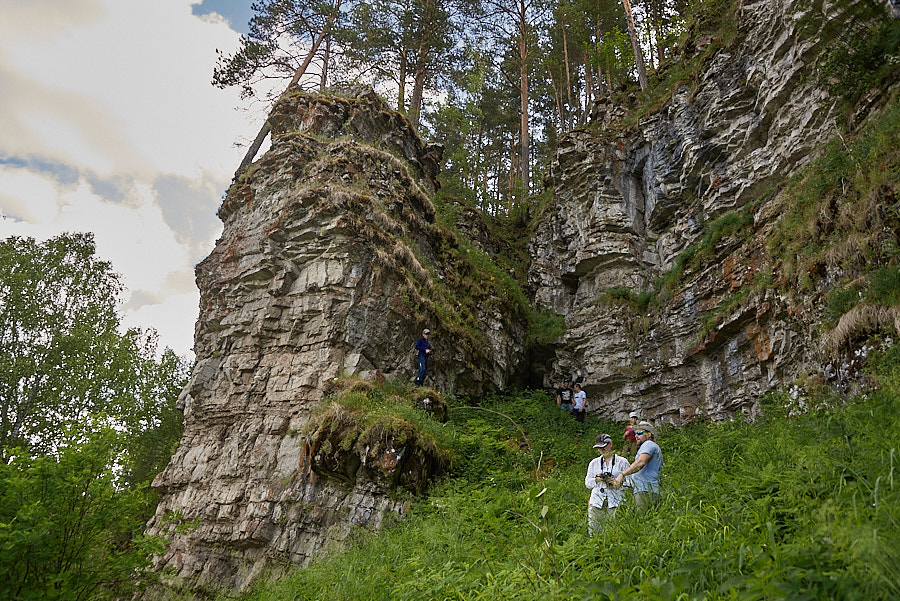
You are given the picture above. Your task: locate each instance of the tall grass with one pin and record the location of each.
(789, 507)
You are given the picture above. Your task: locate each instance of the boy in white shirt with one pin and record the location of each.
(580, 398)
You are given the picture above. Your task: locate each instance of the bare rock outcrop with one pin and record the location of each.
(330, 264)
(629, 201)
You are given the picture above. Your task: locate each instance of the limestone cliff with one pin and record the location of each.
(330, 264)
(632, 201)
(332, 261)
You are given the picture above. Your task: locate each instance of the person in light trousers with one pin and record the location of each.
(605, 498)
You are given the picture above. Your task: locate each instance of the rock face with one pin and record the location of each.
(328, 265)
(331, 263)
(628, 201)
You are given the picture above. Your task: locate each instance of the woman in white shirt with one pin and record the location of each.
(600, 475)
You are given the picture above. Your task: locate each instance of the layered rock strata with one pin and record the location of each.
(630, 200)
(326, 267)
(331, 262)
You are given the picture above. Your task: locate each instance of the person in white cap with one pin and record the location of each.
(424, 348)
(630, 440)
(600, 473)
(645, 468)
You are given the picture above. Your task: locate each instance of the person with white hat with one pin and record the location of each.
(645, 469)
(600, 473)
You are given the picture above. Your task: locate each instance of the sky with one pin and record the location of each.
(109, 124)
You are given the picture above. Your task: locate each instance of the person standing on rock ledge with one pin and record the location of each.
(424, 348)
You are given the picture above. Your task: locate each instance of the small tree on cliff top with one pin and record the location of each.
(285, 36)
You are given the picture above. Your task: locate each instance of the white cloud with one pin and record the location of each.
(175, 317)
(32, 197)
(108, 123)
(133, 236)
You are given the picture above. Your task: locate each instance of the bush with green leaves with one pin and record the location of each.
(87, 419)
(70, 527)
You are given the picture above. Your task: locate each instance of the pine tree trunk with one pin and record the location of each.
(657, 27)
(571, 110)
(267, 128)
(588, 90)
(401, 83)
(323, 80)
(557, 97)
(525, 170)
(636, 46)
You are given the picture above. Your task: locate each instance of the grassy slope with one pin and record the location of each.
(794, 506)
(790, 507)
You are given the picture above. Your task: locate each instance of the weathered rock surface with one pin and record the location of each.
(331, 263)
(628, 201)
(326, 267)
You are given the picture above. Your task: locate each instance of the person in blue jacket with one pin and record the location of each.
(424, 348)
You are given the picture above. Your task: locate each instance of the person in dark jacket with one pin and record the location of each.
(424, 348)
(564, 397)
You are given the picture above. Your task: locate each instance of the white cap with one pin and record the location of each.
(633, 414)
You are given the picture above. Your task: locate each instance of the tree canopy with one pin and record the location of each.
(542, 63)
(63, 358)
(87, 418)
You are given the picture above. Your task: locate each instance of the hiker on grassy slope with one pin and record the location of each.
(629, 437)
(564, 396)
(646, 468)
(600, 474)
(579, 399)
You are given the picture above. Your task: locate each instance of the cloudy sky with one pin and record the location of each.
(108, 124)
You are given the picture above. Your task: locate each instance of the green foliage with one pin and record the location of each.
(623, 295)
(733, 224)
(839, 301)
(545, 326)
(801, 507)
(842, 210)
(264, 53)
(62, 357)
(363, 416)
(58, 319)
(864, 51)
(69, 528)
(884, 286)
(87, 419)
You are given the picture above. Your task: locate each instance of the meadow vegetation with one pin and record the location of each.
(796, 505)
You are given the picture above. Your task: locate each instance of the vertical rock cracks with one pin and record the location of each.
(331, 263)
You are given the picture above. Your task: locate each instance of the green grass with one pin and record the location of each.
(789, 507)
(842, 211)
